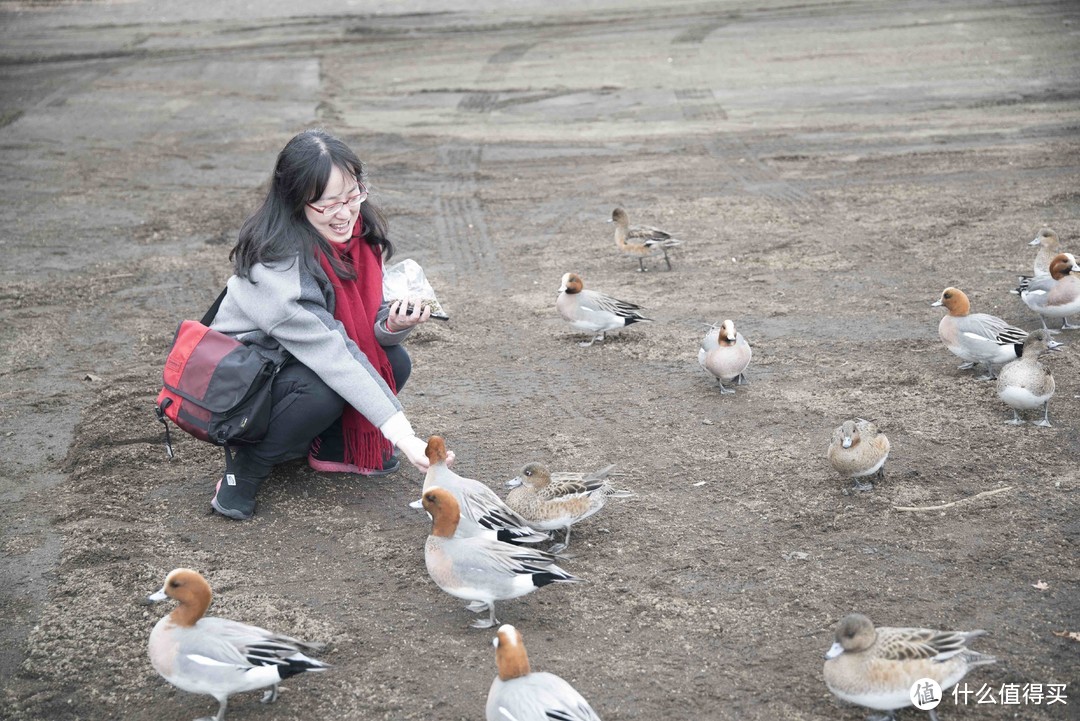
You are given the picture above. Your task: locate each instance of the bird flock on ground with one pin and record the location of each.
(482, 548)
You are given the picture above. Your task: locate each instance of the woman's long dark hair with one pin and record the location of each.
(279, 229)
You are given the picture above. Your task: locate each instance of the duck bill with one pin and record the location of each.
(1035, 242)
(936, 303)
(846, 443)
(835, 650)
(418, 504)
(514, 482)
(155, 597)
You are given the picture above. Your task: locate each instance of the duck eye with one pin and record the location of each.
(174, 584)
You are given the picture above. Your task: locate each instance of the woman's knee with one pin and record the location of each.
(400, 363)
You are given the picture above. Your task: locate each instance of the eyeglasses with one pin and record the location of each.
(352, 201)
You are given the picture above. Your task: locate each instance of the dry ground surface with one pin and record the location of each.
(832, 166)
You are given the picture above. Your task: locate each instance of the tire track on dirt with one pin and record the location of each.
(697, 103)
(494, 70)
(735, 158)
(739, 161)
(462, 224)
(459, 217)
(696, 35)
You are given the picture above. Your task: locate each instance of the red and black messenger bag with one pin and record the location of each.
(215, 387)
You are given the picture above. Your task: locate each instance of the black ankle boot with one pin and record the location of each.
(235, 499)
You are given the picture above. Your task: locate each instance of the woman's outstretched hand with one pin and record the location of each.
(416, 451)
(400, 319)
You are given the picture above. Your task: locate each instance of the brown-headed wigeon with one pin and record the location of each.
(977, 337)
(215, 656)
(1056, 295)
(520, 694)
(725, 354)
(593, 312)
(477, 569)
(483, 513)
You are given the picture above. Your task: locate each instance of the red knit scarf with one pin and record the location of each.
(357, 302)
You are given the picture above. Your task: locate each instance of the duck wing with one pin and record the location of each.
(989, 327)
(598, 302)
(910, 644)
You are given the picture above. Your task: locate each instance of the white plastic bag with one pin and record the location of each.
(407, 280)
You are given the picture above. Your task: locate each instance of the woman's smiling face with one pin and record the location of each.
(336, 227)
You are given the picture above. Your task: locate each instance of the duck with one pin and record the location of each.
(593, 312)
(483, 513)
(1047, 240)
(520, 694)
(977, 337)
(1024, 281)
(725, 354)
(858, 449)
(877, 667)
(477, 569)
(641, 241)
(216, 656)
(548, 504)
(1056, 295)
(1025, 383)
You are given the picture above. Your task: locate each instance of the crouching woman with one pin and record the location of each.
(307, 287)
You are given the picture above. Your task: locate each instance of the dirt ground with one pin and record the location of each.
(832, 166)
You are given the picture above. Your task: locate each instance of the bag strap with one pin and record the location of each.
(210, 314)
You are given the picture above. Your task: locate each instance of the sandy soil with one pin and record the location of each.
(831, 166)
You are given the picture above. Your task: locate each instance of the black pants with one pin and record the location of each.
(303, 407)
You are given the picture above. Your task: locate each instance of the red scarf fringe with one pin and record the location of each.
(356, 305)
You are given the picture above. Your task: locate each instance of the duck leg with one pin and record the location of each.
(990, 375)
(220, 716)
(559, 547)
(476, 606)
(1048, 329)
(491, 620)
(1016, 419)
(641, 264)
(966, 366)
(1045, 422)
(891, 716)
(1066, 325)
(860, 486)
(724, 389)
(271, 695)
(595, 338)
(666, 259)
(740, 380)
